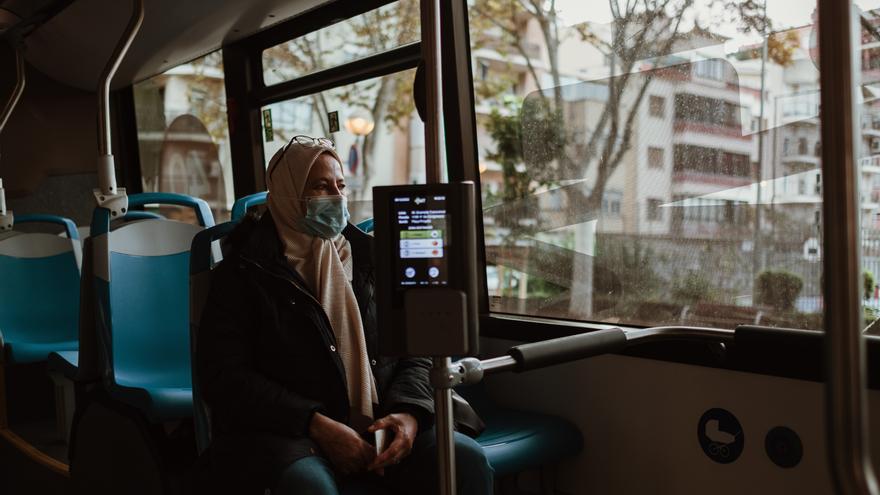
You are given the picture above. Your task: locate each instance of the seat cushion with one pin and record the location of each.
(157, 403)
(518, 440)
(64, 362)
(32, 352)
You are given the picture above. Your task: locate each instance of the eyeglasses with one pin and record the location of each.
(308, 141)
(312, 141)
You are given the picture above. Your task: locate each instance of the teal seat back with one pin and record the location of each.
(39, 290)
(141, 273)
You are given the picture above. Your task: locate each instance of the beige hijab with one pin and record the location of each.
(326, 266)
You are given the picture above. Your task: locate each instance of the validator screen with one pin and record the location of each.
(423, 238)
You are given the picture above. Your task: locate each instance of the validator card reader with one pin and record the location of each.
(426, 269)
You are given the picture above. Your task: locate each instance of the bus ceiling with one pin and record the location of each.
(70, 41)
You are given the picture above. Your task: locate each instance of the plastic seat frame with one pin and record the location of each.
(152, 379)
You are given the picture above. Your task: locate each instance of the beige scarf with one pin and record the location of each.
(326, 266)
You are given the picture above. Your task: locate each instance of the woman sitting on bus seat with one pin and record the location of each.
(288, 359)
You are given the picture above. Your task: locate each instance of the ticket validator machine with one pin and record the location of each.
(426, 242)
(426, 265)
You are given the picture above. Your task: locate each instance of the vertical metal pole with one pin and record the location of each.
(757, 252)
(106, 163)
(431, 54)
(846, 418)
(433, 91)
(443, 428)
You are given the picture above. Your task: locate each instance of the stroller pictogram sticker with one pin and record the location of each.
(720, 435)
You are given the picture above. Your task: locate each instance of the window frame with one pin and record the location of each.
(246, 92)
(526, 328)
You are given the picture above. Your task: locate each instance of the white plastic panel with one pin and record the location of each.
(34, 245)
(639, 418)
(153, 238)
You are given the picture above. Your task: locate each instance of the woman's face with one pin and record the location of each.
(325, 178)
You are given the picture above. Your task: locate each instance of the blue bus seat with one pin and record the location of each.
(141, 285)
(242, 205)
(516, 440)
(204, 256)
(39, 290)
(66, 363)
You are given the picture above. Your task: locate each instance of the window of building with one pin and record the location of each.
(611, 204)
(657, 106)
(183, 135)
(379, 30)
(656, 157)
(709, 69)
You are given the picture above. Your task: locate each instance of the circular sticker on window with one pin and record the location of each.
(720, 435)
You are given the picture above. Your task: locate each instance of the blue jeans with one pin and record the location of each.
(417, 474)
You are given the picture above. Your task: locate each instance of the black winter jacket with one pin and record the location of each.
(267, 357)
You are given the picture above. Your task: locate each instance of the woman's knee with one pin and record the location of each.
(308, 476)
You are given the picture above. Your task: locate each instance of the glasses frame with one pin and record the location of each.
(310, 141)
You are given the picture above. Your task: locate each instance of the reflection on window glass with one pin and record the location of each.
(183, 136)
(378, 134)
(370, 33)
(580, 104)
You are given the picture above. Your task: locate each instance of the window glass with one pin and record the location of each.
(376, 31)
(577, 104)
(183, 136)
(374, 126)
(868, 153)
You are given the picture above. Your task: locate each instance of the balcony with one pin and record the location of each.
(682, 126)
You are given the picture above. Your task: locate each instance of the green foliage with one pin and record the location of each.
(539, 287)
(869, 284)
(778, 289)
(693, 288)
(625, 270)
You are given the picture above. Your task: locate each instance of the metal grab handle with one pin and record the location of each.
(69, 226)
(566, 349)
(203, 211)
(17, 91)
(106, 163)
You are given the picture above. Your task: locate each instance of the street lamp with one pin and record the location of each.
(360, 123)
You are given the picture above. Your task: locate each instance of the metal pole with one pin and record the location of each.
(444, 431)
(757, 255)
(17, 90)
(431, 54)
(2, 199)
(106, 164)
(846, 417)
(6, 217)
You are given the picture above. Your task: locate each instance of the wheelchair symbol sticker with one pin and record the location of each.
(720, 436)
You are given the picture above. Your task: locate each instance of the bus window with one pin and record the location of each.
(183, 136)
(373, 124)
(372, 32)
(652, 163)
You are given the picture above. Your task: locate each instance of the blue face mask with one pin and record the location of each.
(326, 216)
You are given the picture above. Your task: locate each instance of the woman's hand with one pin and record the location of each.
(345, 449)
(404, 428)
